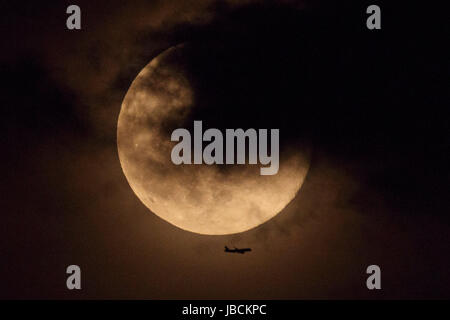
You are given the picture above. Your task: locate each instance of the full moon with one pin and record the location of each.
(205, 199)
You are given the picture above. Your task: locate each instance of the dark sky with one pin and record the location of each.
(372, 103)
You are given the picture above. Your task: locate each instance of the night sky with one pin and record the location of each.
(371, 103)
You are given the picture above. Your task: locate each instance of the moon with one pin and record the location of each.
(203, 199)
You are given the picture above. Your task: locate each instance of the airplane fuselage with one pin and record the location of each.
(236, 250)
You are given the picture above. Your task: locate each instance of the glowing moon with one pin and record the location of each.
(197, 198)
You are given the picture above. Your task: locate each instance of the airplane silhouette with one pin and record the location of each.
(236, 250)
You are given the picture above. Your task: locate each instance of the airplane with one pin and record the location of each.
(236, 250)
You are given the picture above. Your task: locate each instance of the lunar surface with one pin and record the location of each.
(204, 199)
